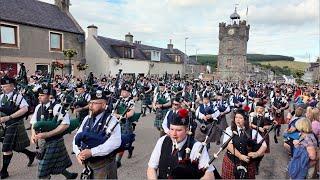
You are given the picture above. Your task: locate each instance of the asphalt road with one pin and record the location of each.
(272, 166)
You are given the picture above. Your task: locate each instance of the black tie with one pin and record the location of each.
(241, 133)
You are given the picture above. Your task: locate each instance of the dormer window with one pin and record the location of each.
(128, 53)
(177, 58)
(155, 55)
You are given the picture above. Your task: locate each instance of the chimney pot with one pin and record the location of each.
(129, 38)
(92, 30)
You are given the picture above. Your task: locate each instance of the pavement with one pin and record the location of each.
(273, 165)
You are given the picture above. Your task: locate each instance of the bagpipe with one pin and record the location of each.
(11, 107)
(88, 140)
(204, 127)
(46, 125)
(241, 171)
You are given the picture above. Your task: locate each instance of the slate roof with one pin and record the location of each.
(109, 44)
(37, 13)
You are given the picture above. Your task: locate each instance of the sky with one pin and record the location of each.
(284, 27)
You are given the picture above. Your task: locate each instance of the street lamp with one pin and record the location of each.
(197, 55)
(185, 52)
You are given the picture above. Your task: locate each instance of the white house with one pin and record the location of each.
(106, 56)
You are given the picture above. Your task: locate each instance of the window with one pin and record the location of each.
(55, 41)
(155, 55)
(9, 35)
(178, 59)
(42, 67)
(128, 53)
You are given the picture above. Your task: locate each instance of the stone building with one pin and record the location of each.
(232, 57)
(36, 33)
(106, 56)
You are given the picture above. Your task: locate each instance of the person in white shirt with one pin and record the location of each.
(98, 152)
(171, 148)
(53, 157)
(13, 107)
(176, 105)
(241, 151)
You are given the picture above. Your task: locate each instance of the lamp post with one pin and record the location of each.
(185, 52)
(197, 55)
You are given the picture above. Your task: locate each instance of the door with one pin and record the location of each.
(10, 68)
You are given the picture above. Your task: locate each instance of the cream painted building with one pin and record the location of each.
(36, 34)
(106, 56)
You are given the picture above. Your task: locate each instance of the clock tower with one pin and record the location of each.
(232, 57)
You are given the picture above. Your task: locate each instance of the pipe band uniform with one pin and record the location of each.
(53, 156)
(238, 160)
(168, 160)
(97, 139)
(14, 137)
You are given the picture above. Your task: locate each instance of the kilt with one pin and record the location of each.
(160, 115)
(106, 168)
(280, 119)
(55, 159)
(200, 136)
(221, 126)
(15, 138)
(126, 127)
(147, 99)
(228, 169)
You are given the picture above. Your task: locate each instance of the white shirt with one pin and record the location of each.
(253, 134)
(215, 115)
(165, 121)
(18, 98)
(203, 161)
(107, 147)
(165, 94)
(65, 119)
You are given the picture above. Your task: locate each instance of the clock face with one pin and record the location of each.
(231, 31)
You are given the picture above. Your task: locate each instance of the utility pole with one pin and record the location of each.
(197, 55)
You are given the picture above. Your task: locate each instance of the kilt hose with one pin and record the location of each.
(106, 168)
(55, 159)
(228, 169)
(160, 114)
(15, 138)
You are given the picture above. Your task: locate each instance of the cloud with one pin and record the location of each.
(288, 27)
(303, 12)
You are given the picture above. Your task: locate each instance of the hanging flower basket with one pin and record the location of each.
(82, 67)
(57, 65)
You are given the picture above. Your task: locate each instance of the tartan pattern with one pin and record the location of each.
(55, 159)
(147, 99)
(126, 127)
(228, 169)
(160, 114)
(15, 138)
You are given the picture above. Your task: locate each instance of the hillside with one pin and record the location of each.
(279, 63)
(294, 65)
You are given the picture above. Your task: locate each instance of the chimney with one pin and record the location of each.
(92, 31)
(170, 46)
(63, 5)
(129, 38)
